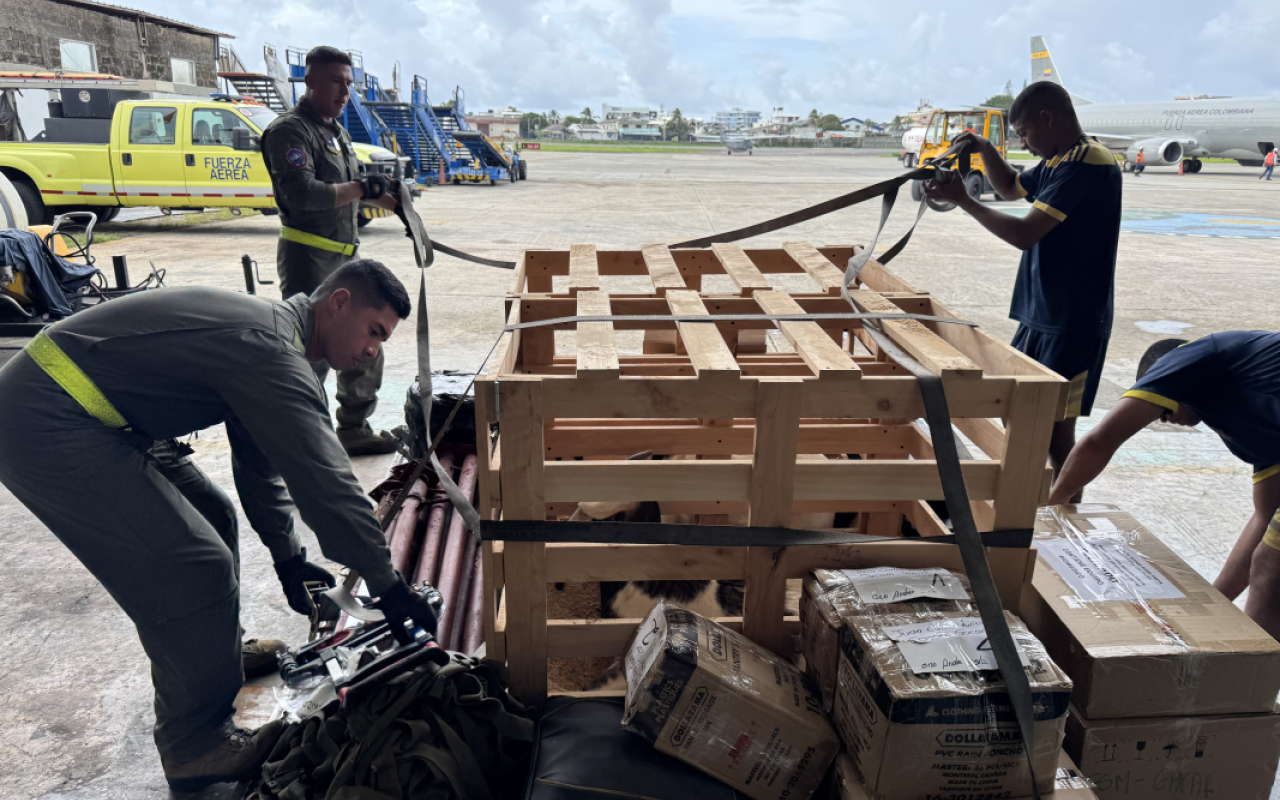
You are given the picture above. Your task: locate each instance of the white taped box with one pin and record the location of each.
(1227, 757)
(1139, 631)
(924, 735)
(831, 595)
(1069, 783)
(719, 702)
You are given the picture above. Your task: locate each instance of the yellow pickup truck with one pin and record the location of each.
(171, 154)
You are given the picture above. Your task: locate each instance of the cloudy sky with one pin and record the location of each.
(849, 57)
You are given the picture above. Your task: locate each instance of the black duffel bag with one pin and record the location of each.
(584, 752)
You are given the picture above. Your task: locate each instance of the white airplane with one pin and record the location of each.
(737, 143)
(1242, 128)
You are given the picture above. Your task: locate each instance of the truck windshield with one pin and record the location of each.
(260, 116)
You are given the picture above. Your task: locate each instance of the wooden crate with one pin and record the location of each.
(750, 425)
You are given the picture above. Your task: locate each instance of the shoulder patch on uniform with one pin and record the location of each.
(296, 157)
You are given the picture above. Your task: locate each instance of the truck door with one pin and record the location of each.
(148, 158)
(217, 174)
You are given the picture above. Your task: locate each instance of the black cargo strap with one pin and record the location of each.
(423, 251)
(968, 540)
(886, 189)
(596, 532)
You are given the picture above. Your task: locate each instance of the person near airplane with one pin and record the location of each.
(1140, 164)
(1063, 295)
(1268, 164)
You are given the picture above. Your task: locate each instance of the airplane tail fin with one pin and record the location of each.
(1043, 69)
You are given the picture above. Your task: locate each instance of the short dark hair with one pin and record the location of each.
(370, 284)
(1155, 352)
(324, 54)
(1041, 96)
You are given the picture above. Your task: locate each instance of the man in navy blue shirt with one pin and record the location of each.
(1062, 298)
(1231, 382)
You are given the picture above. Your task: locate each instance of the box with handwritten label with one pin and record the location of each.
(831, 595)
(1139, 631)
(1161, 758)
(924, 715)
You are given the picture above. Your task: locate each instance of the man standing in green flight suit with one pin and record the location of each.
(318, 188)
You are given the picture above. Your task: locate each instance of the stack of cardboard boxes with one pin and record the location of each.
(1175, 688)
(900, 657)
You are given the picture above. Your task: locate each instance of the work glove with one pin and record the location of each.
(400, 603)
(295, 574)
(375, 185)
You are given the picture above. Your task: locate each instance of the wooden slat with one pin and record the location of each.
(523, 498)
(827, 359)
(773, 476)
(584, 273)
(740, 268)
(679, 398)
(710, 356)
(823, 272)
(568, 441)
(605, 638)
(662, 268)
(581, 563)
(1026, 451)
(918, 341)
(597, 352)
(628, 481)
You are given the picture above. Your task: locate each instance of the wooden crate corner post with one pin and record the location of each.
(523, 497)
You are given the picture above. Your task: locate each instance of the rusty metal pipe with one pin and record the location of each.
(429, 559)
(458, 629)
(475, 609)
(404, 526)
(455, 546)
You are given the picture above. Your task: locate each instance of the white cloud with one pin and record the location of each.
(872, 59)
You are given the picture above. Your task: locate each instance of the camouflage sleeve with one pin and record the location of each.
(291, 162)
(276, 399)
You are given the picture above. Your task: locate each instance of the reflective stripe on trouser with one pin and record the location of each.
(301, 269)
(318, 242)
(157, 555)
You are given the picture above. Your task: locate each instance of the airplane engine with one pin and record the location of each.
(1158, 152)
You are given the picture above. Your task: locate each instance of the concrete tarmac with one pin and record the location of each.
(1198, 255)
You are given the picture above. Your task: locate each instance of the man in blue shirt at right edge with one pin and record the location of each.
(1062, 298)
(1230, 381)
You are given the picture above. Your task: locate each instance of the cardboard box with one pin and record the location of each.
(1068, 784)
(1162, 758)
(830, 595)
(1138, 630)
(719, 702)
(920, 735)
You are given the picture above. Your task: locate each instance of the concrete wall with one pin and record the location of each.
(32, 31)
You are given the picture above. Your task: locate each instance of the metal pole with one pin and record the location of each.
(121, 265)
(247, 263)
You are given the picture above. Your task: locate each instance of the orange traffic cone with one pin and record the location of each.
(1180, 166)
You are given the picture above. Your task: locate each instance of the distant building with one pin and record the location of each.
(554, 133)
(778, 123)
(588, 131)
(610, 113)
(859, 127)
(737, 119)
(503, 124)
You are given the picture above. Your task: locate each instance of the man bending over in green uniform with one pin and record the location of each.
(315, 177)
(83, 405)
(1231, 382)
(1062, 298)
